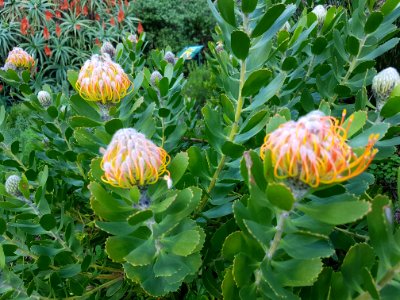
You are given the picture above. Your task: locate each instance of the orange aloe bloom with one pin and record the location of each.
(121, 15)
(47, 50)
(48, 15)
(85, 11)
(131, 159)
(140, 28)
(20, 59)
(314, 150)
(112, 21)
(101, 79)
(24, 26)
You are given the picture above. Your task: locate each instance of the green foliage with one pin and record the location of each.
(222, 224)
(173, 24)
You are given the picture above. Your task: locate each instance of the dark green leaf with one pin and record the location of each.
(280, 196)
(352, 45)
(227, 10)
(249, 6)
(256, 81)
(48, 222)
(373, 22)
(240, 43)
(268, 19)
(319, 45)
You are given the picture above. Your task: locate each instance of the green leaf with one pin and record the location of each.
(359, 118)
(240, 43)
(319, 45)
(344, 211)
(69, 271)
(306, 246)
(48, 222)
(178, 166)
(167, 265)
(280, 196)
(143, 254)
(182, 244)
(391, 107)
(249, 6)
(227, 10)
(24, 187)
(117, 247)
(229, 288)
(72, 77)
(255, 82)
(352, 45)
(3, 226)
(268, 19)
(79, 121)
(289, 63)
(359, 256)
(2, 258)
(140, 217)
(113, 125)
(106, 206)
(380, 229)
(297, 272)
(373, 22)
(232, 150)
(84, 108)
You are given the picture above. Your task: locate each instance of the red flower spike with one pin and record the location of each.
(140, 28)
(65, 5)
(1, 5)
(46, 33)
(97, 17)
(24, 26)
(1, 86)
(58, 14)
(48, 15)
(121, 15)
(112, 21)
(85, 11)
(47, 50)
(78, 27)
(58, 30)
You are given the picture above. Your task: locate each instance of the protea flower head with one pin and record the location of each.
(133, 160)
(169, 57)
(12, 185)
(314, 150)
(220, 46)
(108, 48)
(101, 79)
(133, 38)
(155, 77)
(20, 59)
(383, 84)
(44, 98)
(320, 12)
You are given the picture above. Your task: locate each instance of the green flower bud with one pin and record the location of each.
(108, 48)
(169, 57)
(155, 77)
(12, 185)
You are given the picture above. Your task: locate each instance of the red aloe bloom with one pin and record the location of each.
(112, 21)
(65, 5)
(97, 41)
(1, 5)
(140, 28)
(1, 86)
(126, 2)
(97, 17)
(85, 10)
(121, 15)
(24, 26)
(46, 33)
(58, 30)
(47, 50)
(49, 15)
(58, 14)
(78, 27)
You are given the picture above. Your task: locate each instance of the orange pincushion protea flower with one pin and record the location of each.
(131, 159)
(314, 150)
(20, 59)
(101, 79)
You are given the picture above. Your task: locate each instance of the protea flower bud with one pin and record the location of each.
(383, 84)
(12, 185)
(169, 57)
(155, 78)
(101, 79)
(320, 12)
(44, 98)
(286, 26)
(108, 48)
(220, 46)
(133, 38)
(314, 150)
(20, 59)
(132, 160)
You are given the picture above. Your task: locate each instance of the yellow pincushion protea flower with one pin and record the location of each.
(314, 150)
(131, 159)
(20, 59)
(101, 79)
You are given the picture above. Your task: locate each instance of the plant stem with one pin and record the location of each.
(278, 234)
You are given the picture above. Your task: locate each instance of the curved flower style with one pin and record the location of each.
(101, 79)
(20, 59)
(131, 159)
(314, 150)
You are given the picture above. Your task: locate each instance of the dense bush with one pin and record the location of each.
(135, 191)
(175, 24)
